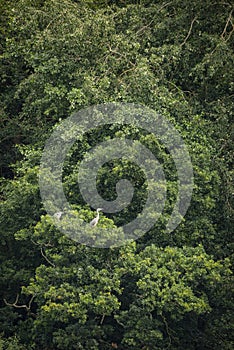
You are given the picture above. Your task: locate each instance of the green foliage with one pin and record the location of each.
(163, 291)
(11, 344)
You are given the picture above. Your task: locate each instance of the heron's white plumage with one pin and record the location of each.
(58, 215)
(94, 222)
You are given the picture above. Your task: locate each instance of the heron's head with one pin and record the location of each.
(99, 209)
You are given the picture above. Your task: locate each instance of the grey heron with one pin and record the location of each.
(94, 222)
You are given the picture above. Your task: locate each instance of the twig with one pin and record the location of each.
(229, 20)
(127, 70)
(230, 34)
(120, 55)
(164, 5)
(27, 307)
(167, 329)
(102, 319)
(189, 32)
(44, 256)
(44, 244)
(147, 25)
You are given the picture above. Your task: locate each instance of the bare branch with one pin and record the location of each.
(189, 32)
(44, 244)
(35, 243)
(229, 20)
(230, 34)
(165, 5)
(102, 319)
(44, 256)
(24, 306)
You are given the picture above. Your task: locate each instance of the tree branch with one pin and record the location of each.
(189, 32)
(24, 306)
(229, 20)
(102, 319)
(44, 244)
(44, 256)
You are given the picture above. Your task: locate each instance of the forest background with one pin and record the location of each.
(163, 291)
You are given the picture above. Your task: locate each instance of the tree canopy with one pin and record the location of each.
(162, 291)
